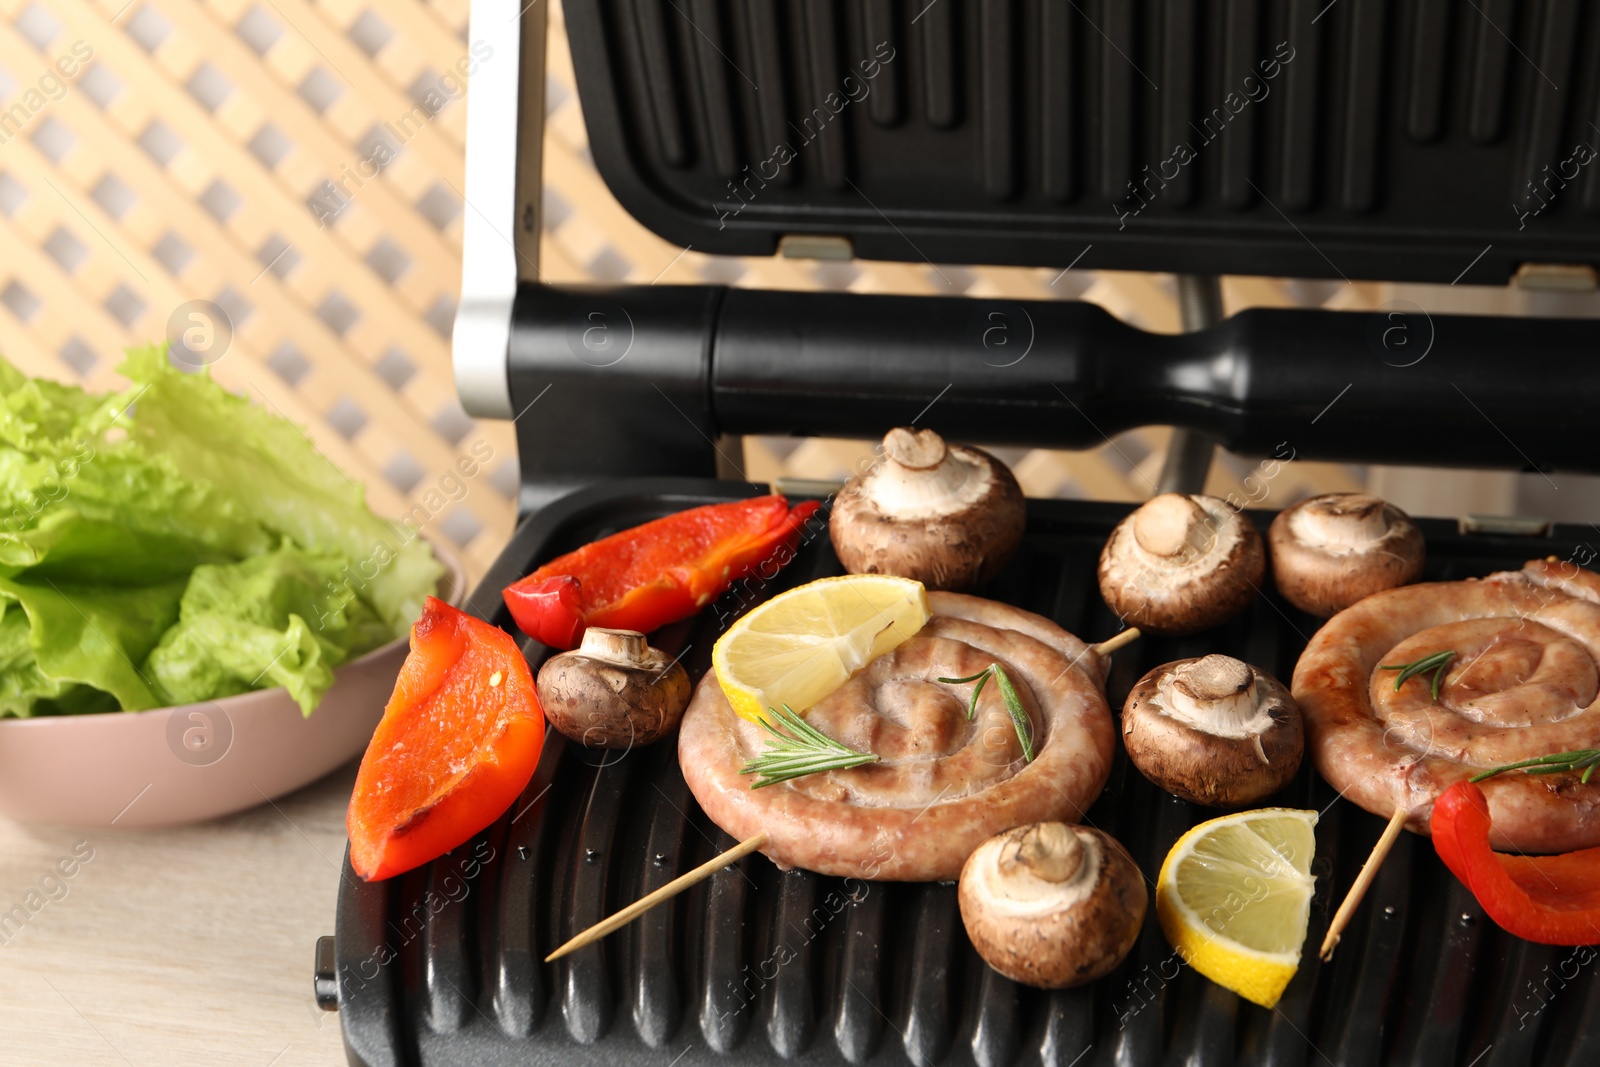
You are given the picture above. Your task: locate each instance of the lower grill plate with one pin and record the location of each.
(442, 966)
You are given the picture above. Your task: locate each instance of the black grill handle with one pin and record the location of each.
(1387, 386)
(654, 374)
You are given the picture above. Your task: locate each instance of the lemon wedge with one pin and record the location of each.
(801, 645)
(1234, 897)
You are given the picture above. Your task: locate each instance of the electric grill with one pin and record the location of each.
(1386, 145)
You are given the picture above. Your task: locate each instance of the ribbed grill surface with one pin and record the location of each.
(441, 966)
(1360, 138)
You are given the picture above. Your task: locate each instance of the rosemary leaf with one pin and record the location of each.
(968, 678)
(1008, 693)
(1019, 715)
(799, 749)
(1436, 662)
(1584, 759)
(972, 705)
(981, 677)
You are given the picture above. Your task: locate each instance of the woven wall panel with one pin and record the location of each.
(178, 165)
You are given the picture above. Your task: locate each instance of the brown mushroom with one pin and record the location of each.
(1330, 551)
(614, 690)
(947, 516)
(1215, 731)
(1052, 905)
(1181, 563)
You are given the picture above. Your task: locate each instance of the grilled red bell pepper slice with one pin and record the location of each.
(1554, 900)
(459, 739)
(665, 570)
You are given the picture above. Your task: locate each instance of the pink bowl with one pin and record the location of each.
(185, 764)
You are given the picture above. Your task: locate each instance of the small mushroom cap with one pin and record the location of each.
(1214, 731)
(1052, 905)
(614, 690)
(1181, 563)
(947, 516)
(1330, 551)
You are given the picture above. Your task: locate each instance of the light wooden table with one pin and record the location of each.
(172, 948)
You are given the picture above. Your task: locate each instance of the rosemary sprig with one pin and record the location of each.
(1584, 759)
(1437, 662)
(799, 749)
(982, 678)
(1008, 693)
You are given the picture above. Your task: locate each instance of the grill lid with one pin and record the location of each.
(1427, 141)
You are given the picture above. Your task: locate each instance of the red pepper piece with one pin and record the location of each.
(643, 578)
(1554, 900)
(460, 737)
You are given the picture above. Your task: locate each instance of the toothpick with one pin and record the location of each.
(666, 892)
(1111, 644)
(1369, 871)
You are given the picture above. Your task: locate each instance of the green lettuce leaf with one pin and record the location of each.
(23, 686)
(95, 633)
(77, 492)
(262, 467)
(274, 619)
(172, 542)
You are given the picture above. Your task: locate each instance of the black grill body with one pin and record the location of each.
(441, 967)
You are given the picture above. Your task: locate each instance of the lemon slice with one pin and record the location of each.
(801, 645)
(1234, 895)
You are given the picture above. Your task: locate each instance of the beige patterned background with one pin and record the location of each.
(299, 163)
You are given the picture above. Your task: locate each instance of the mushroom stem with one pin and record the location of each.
(1347, 520)
(1050, 850)
(1216, 693)
(1170, 524)
(917, 450)
(922, 479)
(625, 648)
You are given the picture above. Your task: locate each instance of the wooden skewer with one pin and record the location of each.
(1111, 644)
(666, 892)
(1369, 871)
